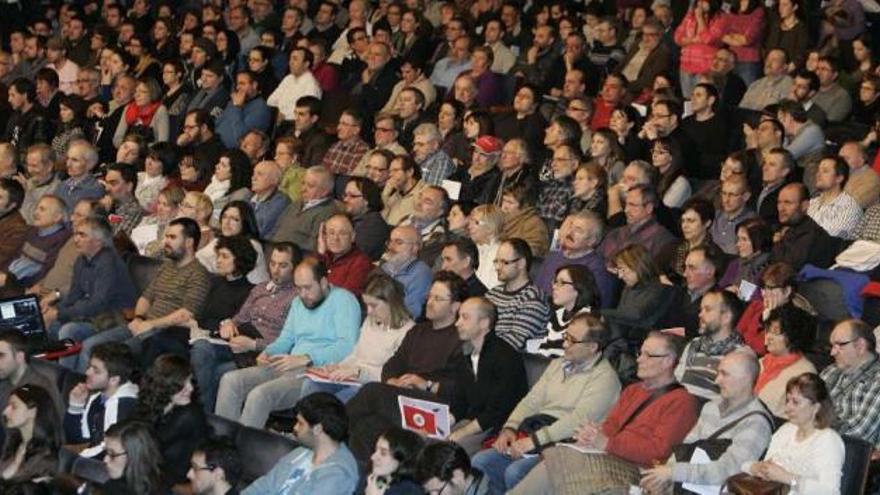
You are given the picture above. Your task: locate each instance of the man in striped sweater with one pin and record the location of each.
(522, 307)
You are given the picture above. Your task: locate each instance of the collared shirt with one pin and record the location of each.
(343, 156)
(856, 398)
(446, 70)
(130, 214)
(768, 90)
(554, 200)
(840, 217)
(266, 309)
(291, 89)
(437, 167)
(724, 228)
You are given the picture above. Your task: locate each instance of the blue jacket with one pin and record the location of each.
(416, 278)
(326, 333)
(235, 121)
(100, 284)
(336, 475)
(268, 211)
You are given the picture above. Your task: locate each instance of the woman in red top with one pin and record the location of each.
(699, 36)
(744, 29)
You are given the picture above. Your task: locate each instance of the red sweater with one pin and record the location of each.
(650, 436)
(349, 271)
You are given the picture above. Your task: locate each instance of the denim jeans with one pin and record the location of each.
(342, 392)
(504, 472)
(688, 81)
(209, 363)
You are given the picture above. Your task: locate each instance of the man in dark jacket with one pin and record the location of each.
(27, 125)
(377, 82)
(106, 397)
(315, 141)
(800, 239)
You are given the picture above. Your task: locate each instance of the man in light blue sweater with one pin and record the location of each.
(323, 464)
(321, 328)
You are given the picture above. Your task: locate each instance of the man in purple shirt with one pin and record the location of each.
(579, 238)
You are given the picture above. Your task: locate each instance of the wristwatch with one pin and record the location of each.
(793, 482)
(429, 385)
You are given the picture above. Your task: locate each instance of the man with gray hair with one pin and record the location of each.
(101, 287)
(737, 414)
(301, 219)
(8, 161)
(42, 178)
(436, 165)
(40, 249)
(401, 262)
(267, 201)
(82, 158)
(579, 239)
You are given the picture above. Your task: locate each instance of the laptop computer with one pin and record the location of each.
(23, 314)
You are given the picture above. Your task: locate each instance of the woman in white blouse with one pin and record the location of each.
(673, 187)
(805, 453)
(382, 332)
(485, 226)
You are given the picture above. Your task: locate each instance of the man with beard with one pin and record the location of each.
(698, 366)
(215, 468)
(322, 464)
(106, 397)
(401, 262)
(799, 239)
(321, 328)
(176, 295)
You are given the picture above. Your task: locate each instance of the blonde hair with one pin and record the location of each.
(493, 218)
(204, 205)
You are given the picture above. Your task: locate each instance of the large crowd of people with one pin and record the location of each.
(630, 245)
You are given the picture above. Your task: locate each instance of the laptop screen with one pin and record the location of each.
(23, 313)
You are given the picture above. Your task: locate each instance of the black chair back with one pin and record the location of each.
(260, 450)
(856, 462)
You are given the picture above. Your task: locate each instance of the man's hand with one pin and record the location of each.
(238, 98)
(411, 380)
(322, 238)
(228, 329)
(79, 394)
(263, 359)
(504, 441)
(139, 326)
(21, 179)
(586, 433)
(657, 480)
(241, 343)
(284, 363)
(48, 300)
(521, 447)
(2, 279)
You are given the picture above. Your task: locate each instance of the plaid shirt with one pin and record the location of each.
(437, 167)
(554, 200)
(869, 228)
(856, 398)
(343, 156)
(131, 213)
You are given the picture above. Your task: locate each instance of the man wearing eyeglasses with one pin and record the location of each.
(581, 386)
(854, 380)
(401, 262)
(215, 468)
(650, 417)
(734, 210)
(647, 59)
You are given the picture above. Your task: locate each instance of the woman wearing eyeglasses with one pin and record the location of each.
(785, 342)
(574, 291)
(33, 437)
(132, 459)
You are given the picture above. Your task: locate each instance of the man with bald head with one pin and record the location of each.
(401, 262)
(854, 380)
(737, 404)
(500, 376)
(301, 219)
(37, 254)
(799, 239)
(268, 202)
(347, 266)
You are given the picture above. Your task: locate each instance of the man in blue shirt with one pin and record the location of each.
(246, 110)
(401, 262)
(321, 328)
(323, 464)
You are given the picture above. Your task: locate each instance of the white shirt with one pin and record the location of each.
(290, 90)
(840, 217)
(66, 76)
(817, 461)
(486, 272)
